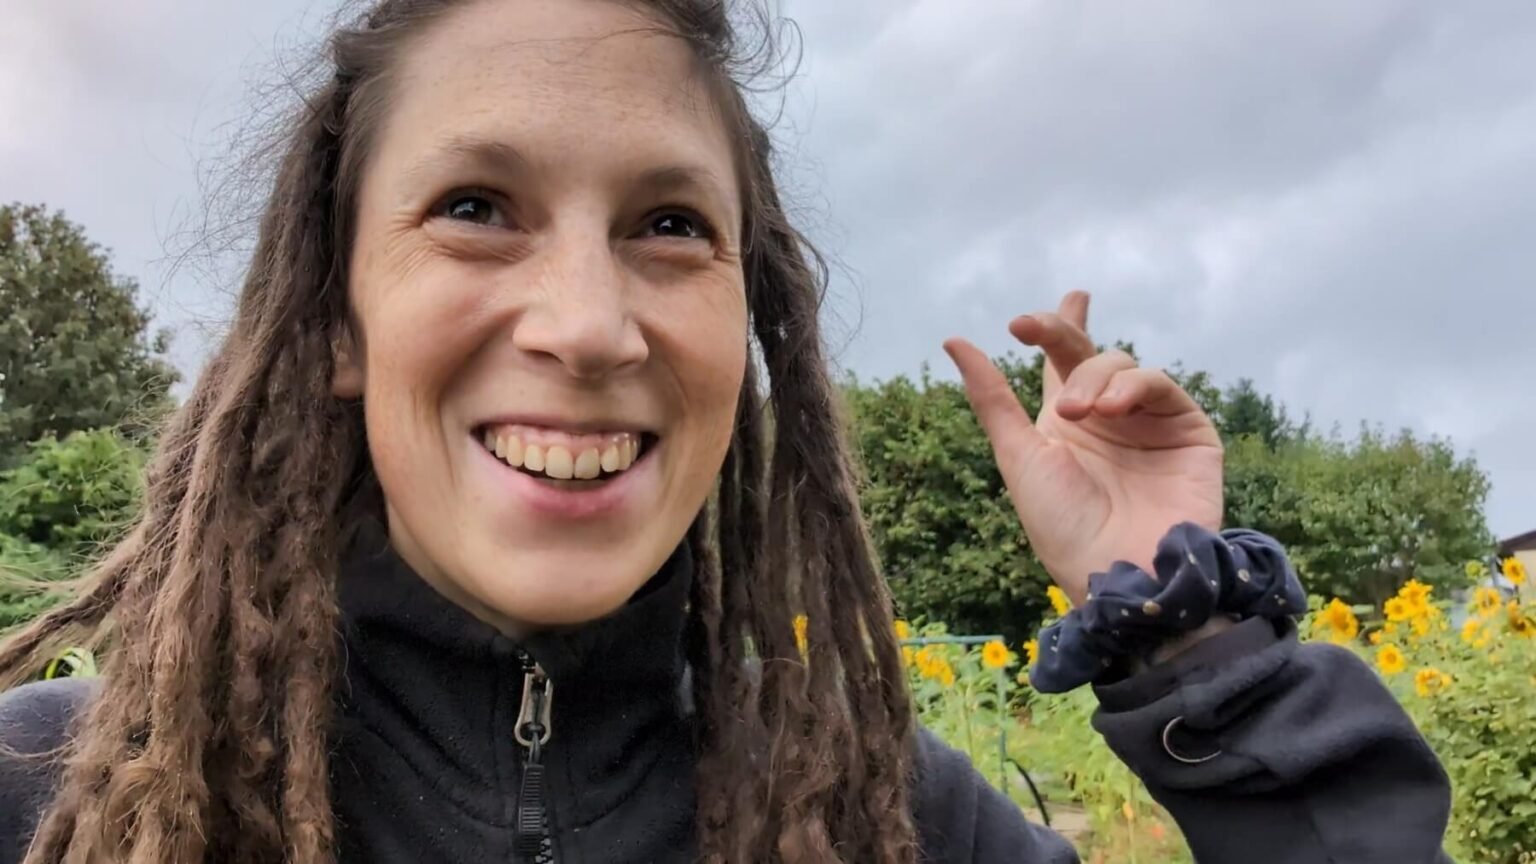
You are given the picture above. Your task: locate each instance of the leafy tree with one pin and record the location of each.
(1359, 517)
(75, 351)
(1240, 410)
(1244, 411)
(937, 507)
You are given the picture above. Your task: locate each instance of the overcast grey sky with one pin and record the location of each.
(1337, 200)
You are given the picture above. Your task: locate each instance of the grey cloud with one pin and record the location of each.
(1331, 198)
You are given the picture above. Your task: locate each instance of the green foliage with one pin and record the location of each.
(1362, 517)
(1485, 734)
(963, 700)
(26, 569)
(75, 353)
(1240, 411)
(1467, 678)
(937, 508)
(1471, 689)
(968, 702)
(71, 496)
(1125, 824)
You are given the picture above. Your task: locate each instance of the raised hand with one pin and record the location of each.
(1118, 455)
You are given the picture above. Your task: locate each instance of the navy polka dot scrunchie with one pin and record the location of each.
(1130, 613)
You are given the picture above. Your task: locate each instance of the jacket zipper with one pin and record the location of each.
(531, 841)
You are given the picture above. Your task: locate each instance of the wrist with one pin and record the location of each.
(1178, 645)
(1138, 619)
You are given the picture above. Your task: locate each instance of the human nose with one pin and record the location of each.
(581, 315)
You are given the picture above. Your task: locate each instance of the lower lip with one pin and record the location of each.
(599, 500)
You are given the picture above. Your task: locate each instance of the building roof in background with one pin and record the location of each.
(1519, 543)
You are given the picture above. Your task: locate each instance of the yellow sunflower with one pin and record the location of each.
(995, 655)
(1339, 621)
(931, 664)
(924, 659)
(1397, 609)
(1519, 623)
(1420, 625)
(1416, 593)
(1059, 600)
(802, 628)
(1514, 570)
(1032, 651)
(1429, 681)
(946, 673)
(1375, 637)
(1472, 633)
(1487, 601)
(1390, 659)
(903, 629)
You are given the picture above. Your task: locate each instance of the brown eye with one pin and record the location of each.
(472, 207)
(676, 224)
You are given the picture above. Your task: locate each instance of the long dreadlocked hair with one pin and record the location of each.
(207, 739)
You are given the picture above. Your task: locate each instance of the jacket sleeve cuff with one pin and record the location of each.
(1200, 663)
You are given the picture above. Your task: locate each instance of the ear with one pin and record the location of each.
(347, 381)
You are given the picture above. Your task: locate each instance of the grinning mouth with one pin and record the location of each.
(567, 460)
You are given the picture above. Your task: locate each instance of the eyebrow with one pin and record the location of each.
(494, 156)
(686, 178)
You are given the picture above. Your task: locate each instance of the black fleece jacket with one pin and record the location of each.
(1310, 759)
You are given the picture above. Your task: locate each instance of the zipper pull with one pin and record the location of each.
(531, 832)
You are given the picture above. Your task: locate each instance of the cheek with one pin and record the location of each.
(421, 326)
(712, 357)
(421, 321)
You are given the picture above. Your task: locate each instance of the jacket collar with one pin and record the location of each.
(443, 688)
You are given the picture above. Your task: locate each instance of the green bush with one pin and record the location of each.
(1360, 516)
(937, 508)
(57, 507)
(25, 571)
(70, 496)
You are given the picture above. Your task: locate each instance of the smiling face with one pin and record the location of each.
(546, 266)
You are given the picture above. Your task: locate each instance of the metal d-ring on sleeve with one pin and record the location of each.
(1169, 749)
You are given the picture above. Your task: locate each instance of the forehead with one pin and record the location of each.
(559, 80)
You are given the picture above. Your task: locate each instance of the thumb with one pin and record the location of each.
(1005, 421)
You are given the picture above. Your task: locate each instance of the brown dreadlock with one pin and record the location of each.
(207, 740)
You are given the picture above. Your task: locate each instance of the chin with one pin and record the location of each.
(565, 588)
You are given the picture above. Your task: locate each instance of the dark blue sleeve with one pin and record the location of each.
(34, 722)
(1268, 751)
(963, 819)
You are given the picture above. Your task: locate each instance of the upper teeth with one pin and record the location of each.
(586, 460)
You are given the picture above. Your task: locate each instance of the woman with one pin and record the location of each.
(476, 541)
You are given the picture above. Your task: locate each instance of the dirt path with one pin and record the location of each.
(1068, 820)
